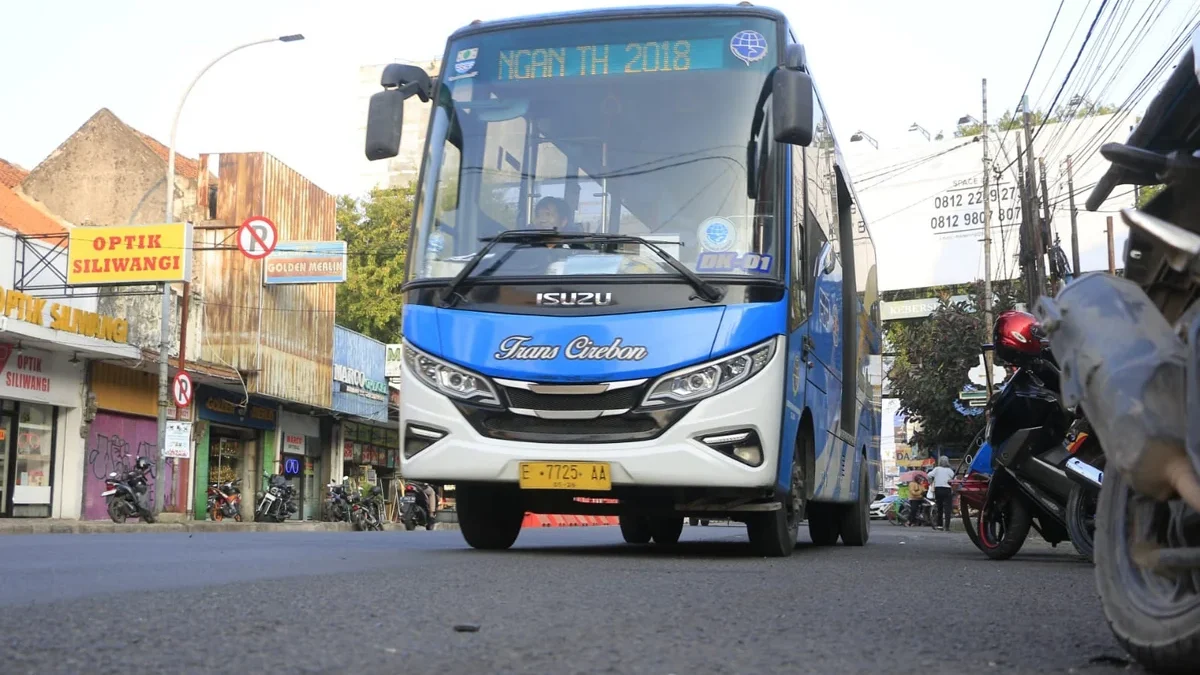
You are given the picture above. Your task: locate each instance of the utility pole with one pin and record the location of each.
(1039, 265)
(1112, 253)
(1045, 200)
(1074, 224)
(1028, 270)
(987, 247)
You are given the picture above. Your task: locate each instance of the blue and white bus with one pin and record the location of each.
(638, 284)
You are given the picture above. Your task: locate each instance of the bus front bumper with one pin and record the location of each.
(677, 458)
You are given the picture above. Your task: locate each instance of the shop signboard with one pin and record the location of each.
(179, 440)
(306, 262)
(394, 361)
(38, 376)
(133, 254)
(62, 317)
(293, 444)
(360, 385)
(225, 407)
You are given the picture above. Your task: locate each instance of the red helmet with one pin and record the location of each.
(1017, 334)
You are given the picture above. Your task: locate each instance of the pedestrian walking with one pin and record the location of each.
(942, 494)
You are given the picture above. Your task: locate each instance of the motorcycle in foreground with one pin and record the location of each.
(1130, 353)
(127, 493)
(225, 500)
(277, 502)
(1043, 461)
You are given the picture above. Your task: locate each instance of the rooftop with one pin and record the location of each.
(11, 175)
(24, 216)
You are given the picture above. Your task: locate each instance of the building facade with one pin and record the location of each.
(370, 443)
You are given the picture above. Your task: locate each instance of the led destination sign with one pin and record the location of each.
(611, 59)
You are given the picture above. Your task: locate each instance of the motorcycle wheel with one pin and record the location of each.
(1003, 527)
(970, 520)
(1081, 520)
(1155, 617)
(116, 511)
(216, 514)
(237, 517)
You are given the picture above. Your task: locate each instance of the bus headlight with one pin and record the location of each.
(698, 382)
(452, 381)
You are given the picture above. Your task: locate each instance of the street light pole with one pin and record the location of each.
(164, 344)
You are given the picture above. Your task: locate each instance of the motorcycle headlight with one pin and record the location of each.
(699, 382)
(451, 380)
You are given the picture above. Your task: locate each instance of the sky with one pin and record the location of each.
(880, 65)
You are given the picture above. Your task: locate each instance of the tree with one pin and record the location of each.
(968, 130)
(932, 358)
(1147, 192)
(376, 232)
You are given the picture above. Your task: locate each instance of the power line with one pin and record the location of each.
(1086, 38)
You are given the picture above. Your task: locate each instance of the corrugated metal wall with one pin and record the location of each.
(293, 350)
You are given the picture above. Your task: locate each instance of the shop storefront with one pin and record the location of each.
(370, 444)
(301, 461)
(233, 441)
(36, 389)
(126, 427)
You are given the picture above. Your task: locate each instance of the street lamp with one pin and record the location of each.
(918, 127)
(165, 325)
(861, 135)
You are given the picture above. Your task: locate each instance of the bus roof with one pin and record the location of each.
(620, 13)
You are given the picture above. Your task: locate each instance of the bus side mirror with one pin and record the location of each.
(384, 117)
(386, 111)
(792, 107)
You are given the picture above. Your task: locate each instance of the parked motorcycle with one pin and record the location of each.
(1130, 350)
(337, 504)
(1040, 453)
(415, 509)
(128, 493)
(277, 502)
(225, 500)
(366, 509)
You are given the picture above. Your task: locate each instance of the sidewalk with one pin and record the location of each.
(47, 526)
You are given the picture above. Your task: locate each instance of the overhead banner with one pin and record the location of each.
(134, 254)
(306, 262)
(924, 202)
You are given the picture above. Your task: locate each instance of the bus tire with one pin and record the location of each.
(666, 530)
(856, 517)
(773, 533)
(824, 523)
(635, 529)
(489, 516)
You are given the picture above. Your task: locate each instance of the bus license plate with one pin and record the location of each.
(595, 476)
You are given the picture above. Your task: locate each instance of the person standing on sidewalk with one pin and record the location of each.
(942, 494)
(916, 500)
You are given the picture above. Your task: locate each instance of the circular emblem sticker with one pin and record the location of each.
(717, 234)
(749, 46)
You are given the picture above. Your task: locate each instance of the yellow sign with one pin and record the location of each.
(31, 309)
(137, 254)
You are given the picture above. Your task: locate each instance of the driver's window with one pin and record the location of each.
(500, 182)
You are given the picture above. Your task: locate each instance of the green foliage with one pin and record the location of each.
(1009, 121)
(932, 358)
(968, 130)
(1147, 192)
(376, 230)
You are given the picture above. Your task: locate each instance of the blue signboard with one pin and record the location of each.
(223, 407)
(359, 375)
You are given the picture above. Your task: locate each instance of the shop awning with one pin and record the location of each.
(49, 339)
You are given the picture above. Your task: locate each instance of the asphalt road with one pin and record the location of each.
(563, 601)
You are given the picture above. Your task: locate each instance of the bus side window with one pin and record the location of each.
(798, 309)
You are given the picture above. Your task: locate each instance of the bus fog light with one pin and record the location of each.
(418, 438)
(749, 454)
(741, 444)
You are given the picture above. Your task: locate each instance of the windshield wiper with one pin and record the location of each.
(706, 290)
(531, 235)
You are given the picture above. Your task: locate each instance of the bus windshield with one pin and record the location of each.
(633, 127)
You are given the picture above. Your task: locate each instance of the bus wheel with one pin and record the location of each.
(856, 517)
(489, 516)
(666, 530)
(824, 523)
(773, 533)
(635, 529)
